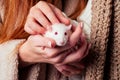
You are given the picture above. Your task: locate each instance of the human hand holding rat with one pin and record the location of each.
(41, 49)
(42, 16)
(72, 63)
(34, 48)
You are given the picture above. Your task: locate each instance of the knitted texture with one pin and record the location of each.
(101, 15)
(115, 46)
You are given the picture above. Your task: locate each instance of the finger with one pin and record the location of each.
(56, 51)
(69, 70)
(60, 16)
(65, 73)
(78, 65)
(47, 11)
(57, 60)
(77, 55)
(41, 41)
(76, 35)
(52, 55)
(61, 69)
(41, 19)
(87, 50)
(34, 26)
(29, 30)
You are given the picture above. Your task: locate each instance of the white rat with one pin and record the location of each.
(60, 33)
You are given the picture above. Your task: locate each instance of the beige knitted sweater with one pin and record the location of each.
(103, 58)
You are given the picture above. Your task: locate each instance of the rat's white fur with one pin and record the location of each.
(86, 27)
(60, 33)
(61, 28)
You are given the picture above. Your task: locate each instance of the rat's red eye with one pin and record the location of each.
(56, 33)
(65, 33)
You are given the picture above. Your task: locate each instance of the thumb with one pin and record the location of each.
(50, 42)
(42, 41)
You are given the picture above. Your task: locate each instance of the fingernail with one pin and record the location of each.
(67, 22)
(49, 28)
(89, 46)
(81, 24)
(82, 37)
(64, 14)
(50, 44)
(53, 45)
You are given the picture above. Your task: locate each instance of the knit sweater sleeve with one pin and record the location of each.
(9, 59)
(9, 63)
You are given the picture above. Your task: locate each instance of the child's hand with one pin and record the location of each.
(41, 16)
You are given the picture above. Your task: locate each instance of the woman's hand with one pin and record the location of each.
(41, 16)
(40, 49)
(73, 62)
(71, 69)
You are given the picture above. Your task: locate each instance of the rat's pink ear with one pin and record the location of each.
(69, 27)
